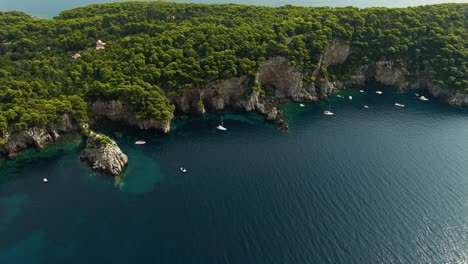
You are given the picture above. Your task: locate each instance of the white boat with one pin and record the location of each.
(366, 106)
(423, 98)
(328, 112)
(140, 142)
(378, 92)
(45, 180)
(301, 105)
(220, 127)
(183, 170)
(339, 96)
(361, 91)
(350, 97)
(399, 105)
(417, 95)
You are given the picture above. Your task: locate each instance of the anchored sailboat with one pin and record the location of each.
(221, 127)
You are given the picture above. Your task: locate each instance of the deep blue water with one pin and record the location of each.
(51, 8)
(378, 185)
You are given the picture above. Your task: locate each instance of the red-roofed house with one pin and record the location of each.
(100, 45)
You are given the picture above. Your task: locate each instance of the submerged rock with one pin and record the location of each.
(282, 124)
(103, 155)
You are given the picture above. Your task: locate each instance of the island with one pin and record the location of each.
(142, 63)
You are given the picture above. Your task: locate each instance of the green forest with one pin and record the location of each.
(155, 50)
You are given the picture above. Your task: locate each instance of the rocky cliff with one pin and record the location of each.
(335, 54)
(286, 80)
(283, 81)
(239, 93)
(17, 141)
(389, 73)
(118, 111)
(103, 155)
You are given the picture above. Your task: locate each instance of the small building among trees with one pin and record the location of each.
(100, 45)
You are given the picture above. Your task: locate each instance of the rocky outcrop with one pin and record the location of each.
(33, 137)
(335, 54)
(253, 103)
(238, 92)
(286, 80)
(17, 141)
(118, 111)
(386, 73)
(215, 97)
(272, 114)
(103, 155)
(200, 108)
(458, 99)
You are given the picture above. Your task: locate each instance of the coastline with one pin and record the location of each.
(258, 83)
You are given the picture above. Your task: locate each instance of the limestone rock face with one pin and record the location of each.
(200, 108)
(215, 97)
(336, 54)
(386, 73)
(272, 114)
(286, 79)
(187, 101)
(252, 103)
(33, 137)
(118, 111)
(458, 99)
(17, 141)
(103, 155)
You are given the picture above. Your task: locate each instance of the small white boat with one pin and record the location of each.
(378, 92)
(350, 97)
(45, 180)
(423, 98)
(366, 106)
(183, 170)
(302, 105)
(140, 142)
(328, 112)
(221, 126)
(339, 96)
(399, 105)
(361, 91)
(416, 94)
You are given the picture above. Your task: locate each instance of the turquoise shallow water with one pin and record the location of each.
(378, 185)
(51, 8)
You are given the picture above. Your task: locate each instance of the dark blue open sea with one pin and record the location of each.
(378, 185)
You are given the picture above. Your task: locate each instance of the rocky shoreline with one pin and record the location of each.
(276, 82)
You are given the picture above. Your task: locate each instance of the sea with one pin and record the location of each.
(379, 185)
(51, 8)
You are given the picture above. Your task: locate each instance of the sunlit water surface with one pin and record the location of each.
(378, 185)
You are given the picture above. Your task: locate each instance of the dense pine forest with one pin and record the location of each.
(49, 67)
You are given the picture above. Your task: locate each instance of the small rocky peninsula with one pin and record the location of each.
(103, 155)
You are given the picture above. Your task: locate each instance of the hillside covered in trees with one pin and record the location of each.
(157, 50)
